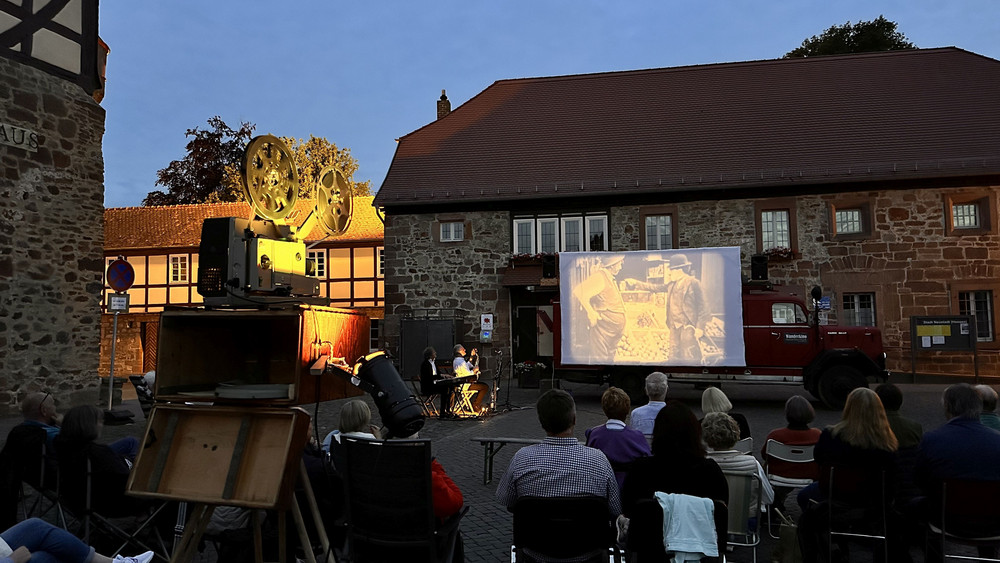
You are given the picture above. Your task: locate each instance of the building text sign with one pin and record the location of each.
(14, 136)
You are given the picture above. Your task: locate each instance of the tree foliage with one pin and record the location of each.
(879, 34)
(210, 172)
(317, 153)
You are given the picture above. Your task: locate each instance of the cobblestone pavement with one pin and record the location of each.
(487, 527)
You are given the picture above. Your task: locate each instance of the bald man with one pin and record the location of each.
(39, 409)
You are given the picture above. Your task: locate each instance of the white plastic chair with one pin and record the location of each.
(744, 446)
(790, 454)
(741, 506)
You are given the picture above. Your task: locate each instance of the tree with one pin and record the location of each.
(317, 153)
(879, 34)
(210, 170)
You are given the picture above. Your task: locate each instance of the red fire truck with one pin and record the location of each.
(784, 344)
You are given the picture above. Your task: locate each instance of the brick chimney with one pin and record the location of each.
(444, 106)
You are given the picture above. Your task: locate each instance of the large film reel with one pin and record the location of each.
(270, 179)
(333, 201)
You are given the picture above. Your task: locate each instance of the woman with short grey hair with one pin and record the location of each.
(721, 433)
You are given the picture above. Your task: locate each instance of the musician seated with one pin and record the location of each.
(433, 382)
(470, 369)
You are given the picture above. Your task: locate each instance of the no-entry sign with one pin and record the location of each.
(120, 275)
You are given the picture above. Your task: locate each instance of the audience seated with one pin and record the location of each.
(560, 466)
(863, 443)
(989, 418)
(110, 464)
(799, 413)
(908, 433)
(721, 433)
(37, 540)
(643, 417)
(39, 409)
(679, 463)
(355, 422)
(622, 445)
(714, 400)
(963, 448)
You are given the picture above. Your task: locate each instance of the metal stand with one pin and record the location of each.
(507, 407)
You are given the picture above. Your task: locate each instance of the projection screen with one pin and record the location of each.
(652, 308)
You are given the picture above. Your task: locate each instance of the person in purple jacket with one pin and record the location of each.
(621, 444)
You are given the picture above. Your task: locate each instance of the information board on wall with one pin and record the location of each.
(955, 332)
(659, 308)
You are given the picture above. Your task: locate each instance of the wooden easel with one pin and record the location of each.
(201, 513)
(227, 456)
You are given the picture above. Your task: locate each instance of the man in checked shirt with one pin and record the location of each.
(560, 466)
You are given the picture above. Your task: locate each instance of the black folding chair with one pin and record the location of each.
(77, 494)
(390, 511)
(967, 517)
(644, 543)
(856, 508)
(27, 477)
(553, 528)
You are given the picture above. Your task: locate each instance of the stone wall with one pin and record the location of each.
(129, 350)
(51, 237)
(423, 273)
(908, 260)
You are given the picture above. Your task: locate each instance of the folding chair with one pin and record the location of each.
(644, 543)
(856, 506)
(77, 495)
(426, 401)
(25, 472)
(788, 454)
(744, 446)
(967, 518)
(743, 524)
(390, 511)
(553, 528)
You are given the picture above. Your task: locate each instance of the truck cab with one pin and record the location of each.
(782, 338)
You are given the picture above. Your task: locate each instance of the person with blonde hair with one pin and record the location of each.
(862, 443)
(714, 400)
(355, 421)
(621, 444)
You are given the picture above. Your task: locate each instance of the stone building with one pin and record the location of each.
(51, 200)
(873, 176)
(161, 244)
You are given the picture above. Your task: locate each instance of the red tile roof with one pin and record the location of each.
(177, 226)
(875, 116)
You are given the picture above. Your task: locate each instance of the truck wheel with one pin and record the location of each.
(836, 384)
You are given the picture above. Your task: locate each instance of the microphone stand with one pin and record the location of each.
(507, 407)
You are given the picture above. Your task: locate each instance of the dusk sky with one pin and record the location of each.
(363, 74)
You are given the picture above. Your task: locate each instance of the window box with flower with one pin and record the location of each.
(781, 254)
(526, 259)
(529, 374)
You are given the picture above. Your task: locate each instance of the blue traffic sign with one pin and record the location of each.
(120, 275)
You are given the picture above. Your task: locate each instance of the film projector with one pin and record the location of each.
(225, 429)
(259, 262)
